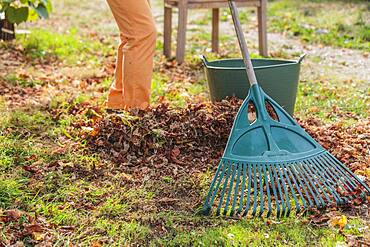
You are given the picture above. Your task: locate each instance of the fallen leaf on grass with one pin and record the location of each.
(10, 216)
(32, 169)
(38, 236)
(96, 244)
(32, 157)
(67, 228)
(357, 201)
(30, 229)
(320, 219)
(340, 221)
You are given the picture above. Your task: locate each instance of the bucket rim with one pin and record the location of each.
(287, 63)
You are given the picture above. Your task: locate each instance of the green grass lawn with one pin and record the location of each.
(46, 169)
(336, 23)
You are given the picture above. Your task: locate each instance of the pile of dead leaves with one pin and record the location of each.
(195, 137)
(350, 145)
(170, 146)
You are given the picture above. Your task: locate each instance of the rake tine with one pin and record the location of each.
(314, 188)
(230, 188)
(346, 180)
(268, 191)
(249, 191)
(348, 186)
(325, 179)
(243, 187)
(285, 190)
(335, 178)
(297, 185)
(352, 178)
(283, 207)
(240, 166)
(350, 172)
(308, 171)
(346, 173)
(332, 175)
(261, 192)
(298, 208)
(303, 185)
(255, 192)
(224, 188)
(274, 191)
(212, 190)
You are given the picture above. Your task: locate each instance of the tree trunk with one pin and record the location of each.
(7, 31)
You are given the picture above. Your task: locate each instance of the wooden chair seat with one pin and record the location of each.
(215, 5)
(198, 4)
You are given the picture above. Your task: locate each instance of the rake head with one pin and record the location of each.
(256, 188)
(271, 164)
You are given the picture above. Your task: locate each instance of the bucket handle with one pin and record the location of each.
(204, 60)
(301, 57)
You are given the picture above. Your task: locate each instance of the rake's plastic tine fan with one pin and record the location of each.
(273, 163)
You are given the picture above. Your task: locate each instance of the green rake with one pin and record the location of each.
(271, 162)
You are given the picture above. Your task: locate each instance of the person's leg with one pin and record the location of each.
(115, 96)
(138, 36)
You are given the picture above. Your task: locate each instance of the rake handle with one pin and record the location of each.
(243, 45)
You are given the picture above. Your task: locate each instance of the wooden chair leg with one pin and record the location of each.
(181, 32)
(215, 29)
(167, 32)
(262, 28)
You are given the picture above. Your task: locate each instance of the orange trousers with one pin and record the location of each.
(134, 65)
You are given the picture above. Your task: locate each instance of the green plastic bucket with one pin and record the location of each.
(278, 78)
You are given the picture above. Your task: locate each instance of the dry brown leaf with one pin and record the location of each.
(340, 221)
(29, 229)
(96, 244)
